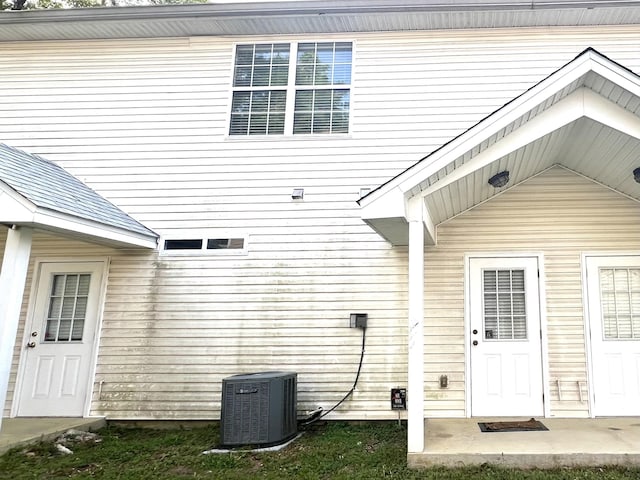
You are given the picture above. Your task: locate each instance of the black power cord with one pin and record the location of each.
(318, 414)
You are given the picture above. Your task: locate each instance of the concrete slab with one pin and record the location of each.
(568, 442)
(22, 431)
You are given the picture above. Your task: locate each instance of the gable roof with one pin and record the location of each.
(310, 16)
(47, 191)
(584, 116)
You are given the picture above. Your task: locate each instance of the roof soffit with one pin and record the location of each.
(323, 16)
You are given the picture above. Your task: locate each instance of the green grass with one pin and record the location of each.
(327, 451)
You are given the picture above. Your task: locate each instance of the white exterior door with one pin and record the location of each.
(505, 340)
(613, 293)
(62, 333)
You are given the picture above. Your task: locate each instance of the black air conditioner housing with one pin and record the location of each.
(258, 409)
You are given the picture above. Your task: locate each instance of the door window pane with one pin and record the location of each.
(504, 305)
(620, 303)
(67, 307)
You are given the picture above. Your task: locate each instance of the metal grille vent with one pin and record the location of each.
(259, 408)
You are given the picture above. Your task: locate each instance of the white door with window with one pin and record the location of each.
(613, 294)
(61, 340)
(505, 340)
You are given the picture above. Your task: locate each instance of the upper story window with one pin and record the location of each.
(273, 95)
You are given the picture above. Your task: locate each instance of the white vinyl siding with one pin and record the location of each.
(146, 124)
(558, 214)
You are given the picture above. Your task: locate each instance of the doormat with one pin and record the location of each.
(531, 425)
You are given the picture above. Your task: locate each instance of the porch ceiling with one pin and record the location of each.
(584, 117)
(585, 146)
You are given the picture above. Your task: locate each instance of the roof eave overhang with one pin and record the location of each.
(16, 210)
(389, 202)
(329, 16)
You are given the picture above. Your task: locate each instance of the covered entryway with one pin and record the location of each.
(58, 355)
(613, 294)
(505, 338)
(583, 119)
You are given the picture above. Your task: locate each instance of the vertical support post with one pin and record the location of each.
(13, 276)
(415, 387)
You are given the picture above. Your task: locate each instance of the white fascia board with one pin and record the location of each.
(622, 77)
(16, 209)
(498, 121)
(491, 125)
(392, 204)
(606, 112)
(55, 221)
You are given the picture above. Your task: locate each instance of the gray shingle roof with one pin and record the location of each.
(49, 186)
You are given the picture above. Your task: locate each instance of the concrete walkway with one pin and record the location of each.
(569, 442)
(21, 431)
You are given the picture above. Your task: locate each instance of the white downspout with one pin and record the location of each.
(13, 276)
(415, 385)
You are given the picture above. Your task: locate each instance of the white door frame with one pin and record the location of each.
(587, 319)
(35, 282)
(543, 322)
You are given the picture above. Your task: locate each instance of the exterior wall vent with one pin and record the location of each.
(258, 409)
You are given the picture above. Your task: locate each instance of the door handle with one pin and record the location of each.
(475, 343)
(31, 344)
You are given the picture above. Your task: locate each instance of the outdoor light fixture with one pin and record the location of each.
(636, 175)
(298, 193)
(499, 179)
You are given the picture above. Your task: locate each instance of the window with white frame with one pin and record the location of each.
(273, 95)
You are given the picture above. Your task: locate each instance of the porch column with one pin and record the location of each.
(13, 276)
(415, 386)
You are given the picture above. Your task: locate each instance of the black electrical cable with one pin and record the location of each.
(318, 415)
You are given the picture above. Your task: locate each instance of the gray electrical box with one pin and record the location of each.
(358, 320)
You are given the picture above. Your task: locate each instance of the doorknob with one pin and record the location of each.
(475, 343)
(31, 344)
(475, 332)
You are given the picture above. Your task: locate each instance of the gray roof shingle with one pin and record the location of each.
(49, 186)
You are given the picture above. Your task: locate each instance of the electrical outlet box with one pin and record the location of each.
(358, 320)
(398, 399)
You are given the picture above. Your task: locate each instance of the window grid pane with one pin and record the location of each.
(504, 312)
(259, 111)
(321, 111)
(67, 307)
(261, 65)
(324, 109)
(620, 303)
